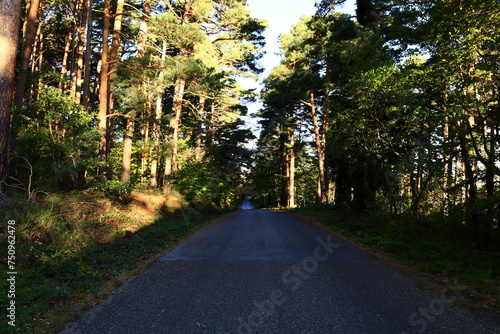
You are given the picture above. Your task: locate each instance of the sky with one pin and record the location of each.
(280, 15)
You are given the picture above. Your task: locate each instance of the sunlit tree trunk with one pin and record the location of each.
(127, 148)
(36, 62)
(104, 91)
(76, 84)
(25, 57)
(145, 133)
(153, 183)
(199, 127)
(10, 11)
(64, 64)
(171, 159)
(85, 99)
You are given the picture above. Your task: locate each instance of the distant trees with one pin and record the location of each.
(155, 80)
(401, 106)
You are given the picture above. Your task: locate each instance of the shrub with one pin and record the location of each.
(115, 189)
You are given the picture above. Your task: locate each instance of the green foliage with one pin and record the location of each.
(115, 189)
(408, 94)
(58, 138)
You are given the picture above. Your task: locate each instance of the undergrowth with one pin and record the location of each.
(69, 245)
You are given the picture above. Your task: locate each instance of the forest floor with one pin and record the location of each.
(436, 266)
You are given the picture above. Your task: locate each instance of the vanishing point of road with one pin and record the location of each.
(259, 271)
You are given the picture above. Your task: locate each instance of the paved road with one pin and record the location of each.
(260, 271)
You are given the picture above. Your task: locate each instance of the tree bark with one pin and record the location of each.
(85, 98)
(10, 11)
(127, 149)
(104, 91)
(199, 129)
(322, 193)
(76, 85)
(291, 182)
(153, 183)
(25, 57)
(64, 64)
(171, 160)
(127, 145)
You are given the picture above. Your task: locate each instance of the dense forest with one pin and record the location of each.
(115, 94)
(394, 111)
(390, 115)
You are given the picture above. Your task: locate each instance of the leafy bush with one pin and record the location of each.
(57, 137)
(115, 189)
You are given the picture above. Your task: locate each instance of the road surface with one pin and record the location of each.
(259, 271)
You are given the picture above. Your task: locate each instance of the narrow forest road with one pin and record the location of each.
(259, 271)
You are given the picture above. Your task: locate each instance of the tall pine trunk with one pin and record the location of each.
(130, 121)
(291, 170)
(153, 183)
(76, 84)
(65, 59)
(171, 159)
(85, 99)
(10, 11)
(199, 127)
(127, 149)
(25, 57)
(322, 193)
(104, 91)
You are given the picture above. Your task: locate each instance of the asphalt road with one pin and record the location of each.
(259, 271)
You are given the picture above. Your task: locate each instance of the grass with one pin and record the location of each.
(427, 247)
(73, 249)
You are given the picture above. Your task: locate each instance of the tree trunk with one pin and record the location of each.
(141, 47)
(145, 141)
(25, 57)
(322, 194)
(127, 149)
(64, 65)
(291, 182)
(76, 86)
(10, 11)
(199, 130)
(104, 92)
(171, 160)
(153, 183)
(470, 186)
(209, 141)
(85, 99)
(26, 51)
(143, 29)
(36, 64)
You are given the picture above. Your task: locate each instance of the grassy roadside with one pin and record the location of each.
(431, 262)
(73, 250)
